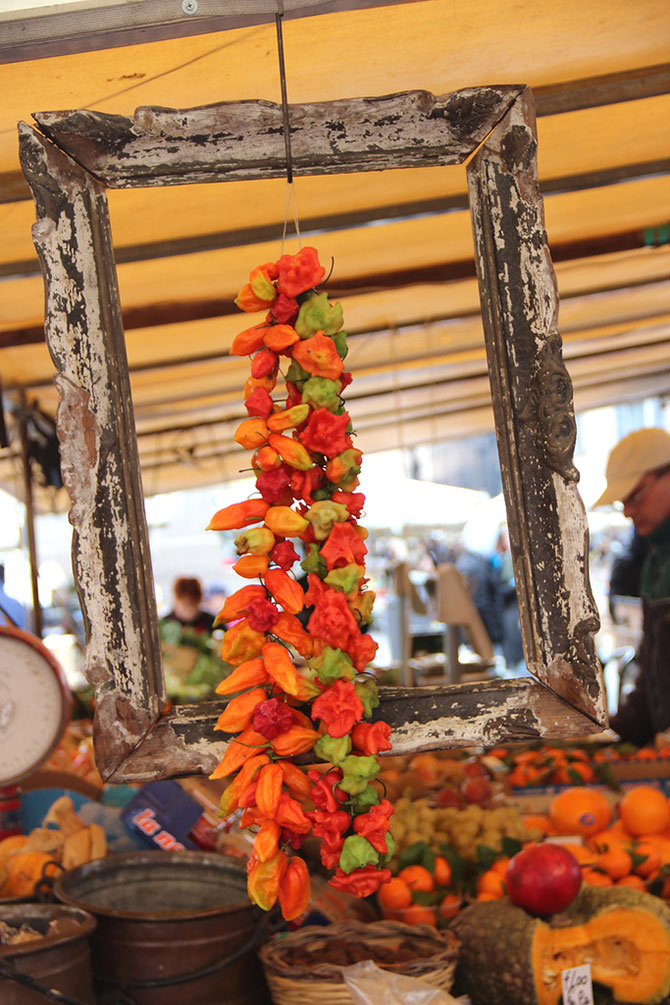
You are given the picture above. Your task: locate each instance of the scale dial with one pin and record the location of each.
(34, 704)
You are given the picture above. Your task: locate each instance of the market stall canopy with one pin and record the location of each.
(400, 241)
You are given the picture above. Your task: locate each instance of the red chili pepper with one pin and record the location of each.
(299, 273)
(361, 882)
(326, 433)
(339, 707)
(294, 889)
(371, 737)
(374, 825)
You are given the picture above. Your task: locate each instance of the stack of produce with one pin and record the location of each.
(573, 765)
(628, 845)
(306, 468)
(28, 859)
(516, 948)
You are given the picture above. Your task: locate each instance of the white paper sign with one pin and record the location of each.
(577, 986)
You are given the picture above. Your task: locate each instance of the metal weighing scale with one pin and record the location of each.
(35, 704)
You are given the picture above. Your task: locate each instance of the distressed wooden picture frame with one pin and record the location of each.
(69, 160)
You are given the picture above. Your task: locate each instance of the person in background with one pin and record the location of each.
(12, 612)
(187, 609)
(638, 476)
(626, 570)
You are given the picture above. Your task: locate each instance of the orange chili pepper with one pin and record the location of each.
(269, 788)
(236, 604)
(266, 842)
(291, 451)
(241, 643)
(252, 433)
(289, 814)
(239, 712)
(251, 566)
(266, 459)
(296, 740)
(289, 629)
(253, 383)
(287, 419)
(278, 337)
(230, 797)
(296, 781)
(285, 522)
(264, 879)
(294, 889)
(279, 666)
(239, 515)
(248, 341)
(319, 356)
(248, 744)
(286, 591)
(251, 673)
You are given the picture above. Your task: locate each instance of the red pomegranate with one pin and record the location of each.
(543, 878)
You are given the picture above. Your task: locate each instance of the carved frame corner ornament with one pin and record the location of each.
(70, 158)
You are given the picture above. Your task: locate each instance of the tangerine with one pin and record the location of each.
(500, 866)
(595, 878)
(449, 906)
(441, 871)
(652, 858)
(416, 914)
(616, 862)
(491, 882)
(633, 881)
(579, 811)
(644, 810)
(395, 894)
(417, 877)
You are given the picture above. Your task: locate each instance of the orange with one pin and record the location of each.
(441, 871)
(500, 866)
(491, 882)
(562, 775)
(417, 878)
(487, 896)
(584, 855)
(644, 810)
(652, 859)
(595, 878)
(616, 862)
(449, 907)
(538, 821)
(415, 914)
(579, 811)
(634, 881)
(609, 838)
(394, 894)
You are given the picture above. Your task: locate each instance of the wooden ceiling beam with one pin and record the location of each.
(174, 312)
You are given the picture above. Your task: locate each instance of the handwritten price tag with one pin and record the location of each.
(577, 986)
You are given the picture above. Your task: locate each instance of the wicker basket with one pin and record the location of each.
(305, 966)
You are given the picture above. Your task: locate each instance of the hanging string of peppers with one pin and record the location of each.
(306, 475)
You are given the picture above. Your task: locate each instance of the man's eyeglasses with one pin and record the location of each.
(636, 497)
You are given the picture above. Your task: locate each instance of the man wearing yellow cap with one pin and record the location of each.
(638, 476)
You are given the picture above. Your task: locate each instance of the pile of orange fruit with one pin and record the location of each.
(625, 845)
(552, 765)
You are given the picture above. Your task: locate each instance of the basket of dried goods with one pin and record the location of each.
(305, 967)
